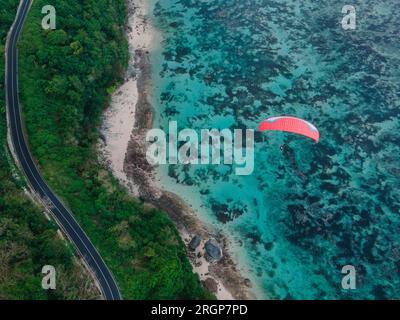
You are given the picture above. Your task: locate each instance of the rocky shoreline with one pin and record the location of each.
(218, 274)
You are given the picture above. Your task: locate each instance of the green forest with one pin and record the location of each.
(28, 241)
(66, 77)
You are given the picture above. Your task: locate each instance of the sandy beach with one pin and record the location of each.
(122, 149)
(119, 118)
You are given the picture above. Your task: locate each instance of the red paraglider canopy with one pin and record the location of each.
(291, 124)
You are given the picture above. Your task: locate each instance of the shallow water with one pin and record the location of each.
(304, 214)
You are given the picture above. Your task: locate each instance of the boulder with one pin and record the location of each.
(195, 242)
(213, 250)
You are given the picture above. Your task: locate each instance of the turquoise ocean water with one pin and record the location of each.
(309, 210)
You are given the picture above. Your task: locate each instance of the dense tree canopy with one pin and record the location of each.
(28, 241)
(66, 76)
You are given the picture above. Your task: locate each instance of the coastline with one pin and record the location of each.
(119, 118)
(125, 124)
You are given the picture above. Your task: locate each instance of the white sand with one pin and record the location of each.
(118, 124)
(119, 119)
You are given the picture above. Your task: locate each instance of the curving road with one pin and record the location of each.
(63, 216)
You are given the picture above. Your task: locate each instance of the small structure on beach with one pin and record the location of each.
(213, 251)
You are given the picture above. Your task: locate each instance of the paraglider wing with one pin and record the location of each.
(291, 124)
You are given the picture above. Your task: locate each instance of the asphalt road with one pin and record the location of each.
(63, 216)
